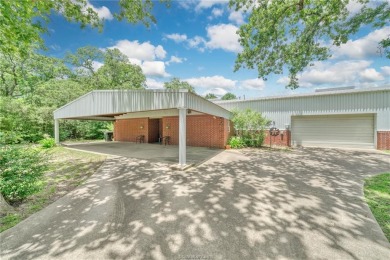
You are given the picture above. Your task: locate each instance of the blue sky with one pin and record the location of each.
(195, 40)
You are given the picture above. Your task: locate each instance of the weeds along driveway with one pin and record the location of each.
(249, 204)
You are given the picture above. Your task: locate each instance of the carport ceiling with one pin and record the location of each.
(106, 104)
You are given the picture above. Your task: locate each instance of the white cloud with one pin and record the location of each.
(196, 42)
(140, 51)
(212, 82)
(256, 84)
(386, 70)
(354, 7)
(103, 12)
(237, 17)
(154, 68)
(355, 72)
(371, 75)
(223, 36)
(175, 59)
(215, 91)
(204, 4)
(96, 65)
(176, 37)
(217, 12)
(154, 84)
(364, 47)
(144, 54)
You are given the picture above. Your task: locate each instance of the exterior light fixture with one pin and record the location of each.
(167, 126)
(141, 127)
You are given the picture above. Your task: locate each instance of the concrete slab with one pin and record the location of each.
(152, 152)
(246, 204)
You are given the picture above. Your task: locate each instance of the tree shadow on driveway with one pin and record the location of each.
(248, 204)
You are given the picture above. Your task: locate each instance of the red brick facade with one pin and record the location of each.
(202, 130)
(283, 139)
(128, 129)
(383, 140)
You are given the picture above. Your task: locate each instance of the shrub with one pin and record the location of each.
(21, 171)
(48, 142)
(250, 127)
(236, 142)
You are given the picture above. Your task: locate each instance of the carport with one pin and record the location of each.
(109, 105)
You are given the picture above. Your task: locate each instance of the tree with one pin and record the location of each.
(25, 33)
(250, 128)
(229, 96)
(210, 96)
(292, 34)
(85, 59)
(116, 71)
(19, 75)
(176, 83)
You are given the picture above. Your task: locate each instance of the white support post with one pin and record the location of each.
(57, 131)
(182, 136)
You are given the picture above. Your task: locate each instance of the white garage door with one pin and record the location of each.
(353, 131)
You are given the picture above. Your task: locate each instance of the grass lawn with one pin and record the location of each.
(67, 170)
(377, 194)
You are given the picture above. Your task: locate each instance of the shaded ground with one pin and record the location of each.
(67, 170)
(151, 152)
(249, 204)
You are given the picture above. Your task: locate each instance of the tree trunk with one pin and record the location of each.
(4, 206)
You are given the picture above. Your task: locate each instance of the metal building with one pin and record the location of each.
(114, 105)
(346, 118)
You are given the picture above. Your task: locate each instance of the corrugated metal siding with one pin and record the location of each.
(97, 103)
(198, 103)
(280, 110)
(352, 130)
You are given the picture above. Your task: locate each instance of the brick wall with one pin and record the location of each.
(283, 139)
(383, 140)
(202, 130)
(129, 129)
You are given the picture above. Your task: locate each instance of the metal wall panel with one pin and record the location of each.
(114, 102)
(280, 109)
(352, 130)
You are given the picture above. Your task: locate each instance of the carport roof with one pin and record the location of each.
(106, 104)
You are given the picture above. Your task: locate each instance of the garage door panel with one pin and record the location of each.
(334, 131)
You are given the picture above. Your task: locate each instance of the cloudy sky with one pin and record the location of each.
(196, 41)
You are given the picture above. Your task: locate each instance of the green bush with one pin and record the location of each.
(21, 171)
(250, 127)
(236, 142)
(48, 143)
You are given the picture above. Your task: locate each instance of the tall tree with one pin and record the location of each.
(84, 60)
(210, 96)
(118, 73)
(228, 96)
(19, 75)
(176, 83)
(24, 21)
(291, 34)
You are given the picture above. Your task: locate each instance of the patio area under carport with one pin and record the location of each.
(111, 105)
(152, 152)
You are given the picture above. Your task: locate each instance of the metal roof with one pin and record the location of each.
(105, 104)
(324, 93)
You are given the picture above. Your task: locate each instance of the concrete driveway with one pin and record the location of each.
(150, 152)
(249, 204)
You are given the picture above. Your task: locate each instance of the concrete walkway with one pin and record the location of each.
(151, 152)
(249, 204)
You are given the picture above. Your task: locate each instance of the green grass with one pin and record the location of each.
(386, 151)
(9, 221)
(377, 194)
(67, 170)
